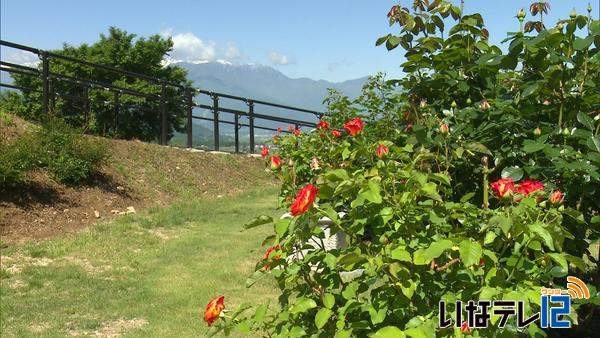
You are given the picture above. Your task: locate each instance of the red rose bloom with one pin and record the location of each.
(275, 162)
(304, 200)
(464, 328)
(290, 128)
(556, 197)
(264, 152)
(323, 125)
(213, 309)
(354, 126)
(336, 133)
(382, 151)
(268, 254)
(527, 187)
(503, 187)
(297, 132)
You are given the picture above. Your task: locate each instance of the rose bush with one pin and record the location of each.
(427, 185)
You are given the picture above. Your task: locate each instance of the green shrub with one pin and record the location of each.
(67, 156)
(15, 161)
(61, 150)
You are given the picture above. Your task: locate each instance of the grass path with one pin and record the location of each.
(148, 274)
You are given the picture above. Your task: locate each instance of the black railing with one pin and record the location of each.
(185, 95)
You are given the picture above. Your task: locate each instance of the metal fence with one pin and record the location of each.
(190, 97)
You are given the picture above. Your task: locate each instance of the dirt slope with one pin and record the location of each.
(139, 175)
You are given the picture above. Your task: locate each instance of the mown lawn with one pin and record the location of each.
(145, 274)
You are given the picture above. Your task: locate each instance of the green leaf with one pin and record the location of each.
(530, 146)
(337, 175)
(530, 89)
(260, 220)
(502, 222)
(343, 334)
(515, 173)
(430, 190)
(350, 258)
(585, 120)
(538, 229)
(425, 256)
(260, 313)
(479, 148)
(442, 178)
(303, 304)
(389, 332)
(467, 197)
(392, 42)
(581, 44)
(559, 259)
(594, 143)
(377, 315)
(470, 252)
(401, 254)
(328, 300)
(256, 276)
(382, 39)
(322, 317)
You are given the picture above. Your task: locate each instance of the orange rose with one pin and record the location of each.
(444, 129)
(275, 162)
(323, 125)
(556, 197)
(503, 187)
(527, 187)
(268, 254)
(354, 126)
(213, 309)
(464, 328)
(264, 152)
(382, 151)
(304, 200)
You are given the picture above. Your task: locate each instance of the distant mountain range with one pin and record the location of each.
(261, 83)
(266, 83)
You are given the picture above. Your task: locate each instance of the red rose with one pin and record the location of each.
(382, 151)
(527, 187)
(268, 253)
(336, 133)
(213, 309)
(354, 126)
(275, 162)
(290, 128)
(279, 129)
(503, 187)
(323, 125)
(304, 200)
(264, 152)
(297, 132)
(556, 197)
(464, 328)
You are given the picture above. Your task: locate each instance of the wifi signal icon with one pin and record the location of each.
(577, 288)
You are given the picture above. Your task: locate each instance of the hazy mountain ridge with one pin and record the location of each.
(266, 83)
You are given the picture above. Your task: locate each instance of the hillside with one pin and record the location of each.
(139, 175)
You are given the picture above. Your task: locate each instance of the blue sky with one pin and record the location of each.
(331, 40)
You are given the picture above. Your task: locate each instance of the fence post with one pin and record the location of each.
(163, 115)
(52, 103)
(190, 108)
(216, 120)
(45, 82)
(251, 124)
(116, 103)
(236, 127)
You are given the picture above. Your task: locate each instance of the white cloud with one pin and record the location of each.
(20, 57)
(232, 52)
(279, 59)
(189, 48)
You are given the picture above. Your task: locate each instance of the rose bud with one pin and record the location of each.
(382, 151)
(444, 129)
(556, 197)
(213, 309)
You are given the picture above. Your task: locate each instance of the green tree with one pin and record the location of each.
(139, 117)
